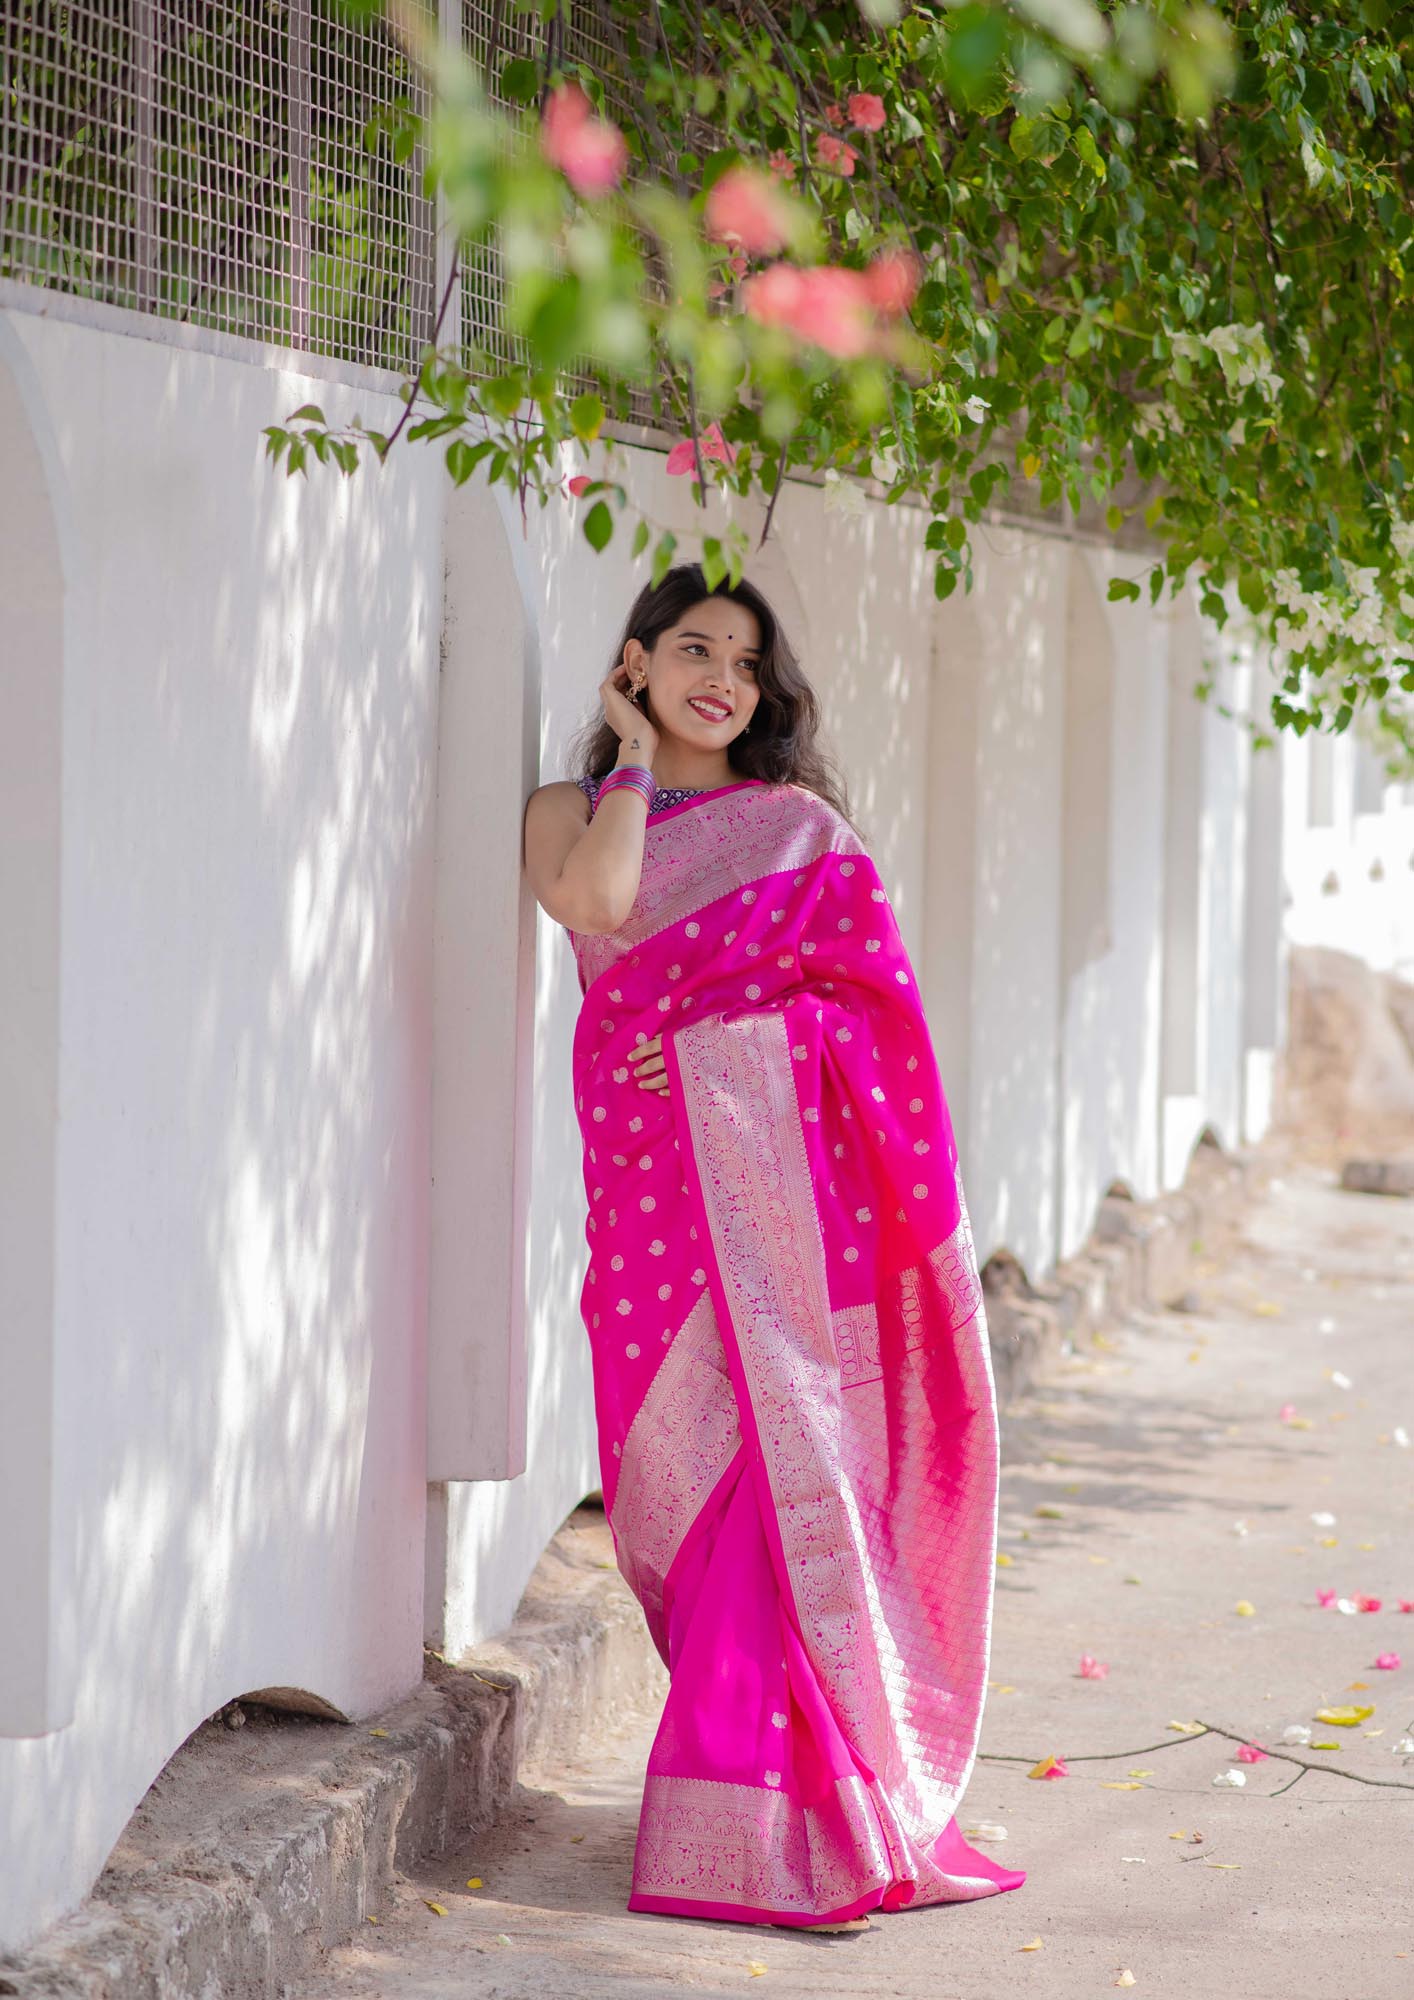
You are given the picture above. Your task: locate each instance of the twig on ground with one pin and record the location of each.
(1210, 1729)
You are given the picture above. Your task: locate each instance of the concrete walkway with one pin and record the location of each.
(1151, 1487)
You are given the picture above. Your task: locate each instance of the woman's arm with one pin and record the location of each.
(585, 869)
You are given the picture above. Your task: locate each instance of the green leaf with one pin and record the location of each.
(519, 81)
(586, 417)
(640, 538)
(310, 411)
(663, 556)
(714, 564)
(1122, 587)
(598, 526)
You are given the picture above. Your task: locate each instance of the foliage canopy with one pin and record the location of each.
(1162, 264)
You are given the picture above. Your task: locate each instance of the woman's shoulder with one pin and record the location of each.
(571, 790)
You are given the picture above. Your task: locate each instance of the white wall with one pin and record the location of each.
(240, 1216)
(1348, 852)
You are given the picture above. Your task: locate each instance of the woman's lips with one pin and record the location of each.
(718, 712)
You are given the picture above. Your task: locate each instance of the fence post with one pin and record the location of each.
(300, 89)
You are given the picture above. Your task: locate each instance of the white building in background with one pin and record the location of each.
(291, 1208)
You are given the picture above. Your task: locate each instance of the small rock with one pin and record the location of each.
(1378, 1176)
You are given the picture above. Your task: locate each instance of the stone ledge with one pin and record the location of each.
(257, 1850)
(1140, 1253)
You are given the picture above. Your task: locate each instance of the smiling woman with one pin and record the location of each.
(792, 1376)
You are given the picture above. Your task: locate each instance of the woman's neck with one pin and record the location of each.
(673, 771)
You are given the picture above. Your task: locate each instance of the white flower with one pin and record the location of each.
(842, 496)
(1404, 1747)
(1231, 1778)
(976, 407)
(1324, 1520)
(1296, 1732)
(885, 466)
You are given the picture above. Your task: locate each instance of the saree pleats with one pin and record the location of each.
(802, 1479)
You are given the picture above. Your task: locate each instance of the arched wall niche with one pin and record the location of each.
(38, 1658)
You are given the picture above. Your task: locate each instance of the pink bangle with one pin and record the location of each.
(636, 776)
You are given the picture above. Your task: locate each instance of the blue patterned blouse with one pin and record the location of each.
(663, 797)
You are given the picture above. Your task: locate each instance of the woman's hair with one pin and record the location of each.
(781, 744)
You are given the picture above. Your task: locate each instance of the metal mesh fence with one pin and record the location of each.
(240, 168)
(208, 163)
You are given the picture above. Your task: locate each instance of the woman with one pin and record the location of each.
(792, 1378)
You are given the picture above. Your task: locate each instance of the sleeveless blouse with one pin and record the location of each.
(663, 797)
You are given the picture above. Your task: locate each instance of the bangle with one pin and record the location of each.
(636, 777)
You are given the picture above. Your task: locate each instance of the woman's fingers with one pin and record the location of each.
(649, 1066)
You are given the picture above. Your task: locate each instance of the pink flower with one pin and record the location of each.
(893, 277)
(1325, 1597)
(1092, 1669)
(748, 208)
(1250, 1753)
(579, 482)
(824, 303)
(782, 163)
(1286, 1412)
(1387, 1662)
(1367, 1603)
(711, 443)
(828, 149)
(866, 111)
(835, 116)
(1406, 1603)
(588, 150)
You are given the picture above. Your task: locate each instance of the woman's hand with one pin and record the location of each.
(652, 1070)
(624, 719)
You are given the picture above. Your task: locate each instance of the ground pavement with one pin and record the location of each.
(1166, 1509)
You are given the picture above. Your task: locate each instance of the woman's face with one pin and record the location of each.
(702, 673)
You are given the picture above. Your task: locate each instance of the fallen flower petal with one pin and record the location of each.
(1341, 1381)
(1404, 1747)
(1296, 1732)
(436, 1908)
(1049, 1767)
(1286, 1412)
(1126, 1978)
(1231, 1778)
(1036, 1944)
(1344, 1717)
(1186, 1728)
(1092, 1669)
(1347, 1605)
(1387, 1662)
(1367, 1603)
(474, 1882)
(988, 1830)
(1401, 1437)
(1324, 1746)
(1406, 1603)
(1324, 1520)
(1244, 1609)
(1325, 1597)
(1120, 1785)
(1250, 1753)
(1222, 1864)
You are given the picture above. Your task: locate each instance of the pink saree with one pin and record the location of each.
(792, 1378)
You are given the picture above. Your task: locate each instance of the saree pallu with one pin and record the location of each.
(792, 1377)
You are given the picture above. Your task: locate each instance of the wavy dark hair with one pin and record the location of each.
(782, 744)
